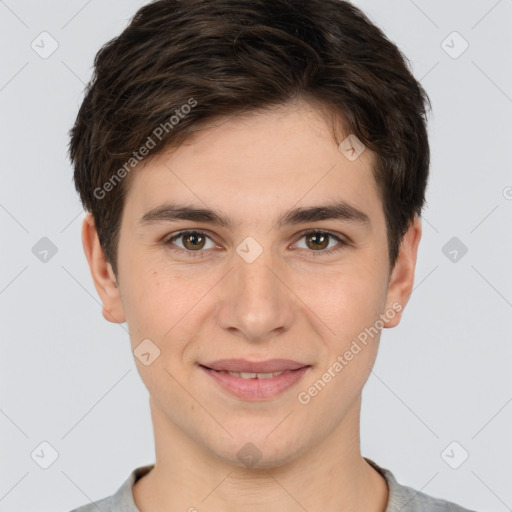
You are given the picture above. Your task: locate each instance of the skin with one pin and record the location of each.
(292, 302)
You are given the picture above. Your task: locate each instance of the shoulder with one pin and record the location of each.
(406, 499)
(122, 499)
(105, 505)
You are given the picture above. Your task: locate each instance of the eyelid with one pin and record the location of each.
(337, 236)
(168, 239)
(342, 241)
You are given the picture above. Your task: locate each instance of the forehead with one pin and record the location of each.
(258, 162)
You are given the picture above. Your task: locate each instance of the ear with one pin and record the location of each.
(102, 273)
(402, 277)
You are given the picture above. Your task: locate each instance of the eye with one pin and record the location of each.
(318, 242)
(193, 242)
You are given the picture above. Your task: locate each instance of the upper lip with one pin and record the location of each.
(242, 365)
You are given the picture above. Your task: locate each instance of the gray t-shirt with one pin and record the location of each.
(401, 497)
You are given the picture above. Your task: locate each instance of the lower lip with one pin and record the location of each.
(256, 389)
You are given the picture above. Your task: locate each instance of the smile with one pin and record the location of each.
(256, 386)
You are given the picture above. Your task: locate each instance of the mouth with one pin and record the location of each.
(251, 375)
(255, 380)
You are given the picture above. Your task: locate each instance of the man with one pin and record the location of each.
(254, 173)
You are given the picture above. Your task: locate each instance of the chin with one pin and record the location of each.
(259, 451)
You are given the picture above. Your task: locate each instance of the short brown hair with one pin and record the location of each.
(223, 57)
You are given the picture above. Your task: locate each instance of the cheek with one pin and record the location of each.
(160, 303)
(346, 301)
(147, 299)
(350, 306)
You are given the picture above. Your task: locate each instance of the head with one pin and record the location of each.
(247, 111)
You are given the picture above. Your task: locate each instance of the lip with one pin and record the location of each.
(256, 389)
(243, 365)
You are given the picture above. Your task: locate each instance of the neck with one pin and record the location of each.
(331, 475)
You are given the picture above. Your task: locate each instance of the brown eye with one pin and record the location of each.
(318, 243)
(191, 242)
(319, 240)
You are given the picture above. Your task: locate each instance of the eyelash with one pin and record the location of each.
(201, 253)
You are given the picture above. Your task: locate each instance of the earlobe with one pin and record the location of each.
(402, 277)
(102, 274)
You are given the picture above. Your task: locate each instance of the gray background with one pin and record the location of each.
(443, 375)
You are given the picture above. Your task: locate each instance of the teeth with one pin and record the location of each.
(268, 375)
(247, 375)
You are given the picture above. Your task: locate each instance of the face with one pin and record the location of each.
(269, 282)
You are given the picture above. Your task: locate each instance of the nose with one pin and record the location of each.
(255, 301)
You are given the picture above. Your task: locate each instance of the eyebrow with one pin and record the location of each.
(340, 210)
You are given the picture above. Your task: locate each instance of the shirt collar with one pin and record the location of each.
(399, 496)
